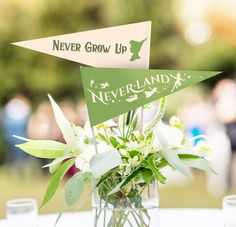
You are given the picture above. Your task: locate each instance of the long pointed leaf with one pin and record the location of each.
(64, 125)
(54, 165)
(173, 159)
(56, 179)
(43, 148)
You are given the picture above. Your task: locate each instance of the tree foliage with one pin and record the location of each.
(35, 74)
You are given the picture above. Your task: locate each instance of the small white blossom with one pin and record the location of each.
(136, 134)
(127, 170)
(133, 162)
(132, 145)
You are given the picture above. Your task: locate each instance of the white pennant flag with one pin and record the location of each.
(126, 46)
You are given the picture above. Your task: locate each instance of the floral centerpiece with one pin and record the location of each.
(120, 162)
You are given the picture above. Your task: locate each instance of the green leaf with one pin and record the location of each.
(64, 125)
(134, 122)
(146, 175)
(56, 179)
(125, 181)
(75, 186)
(43, 148)
(54, 165)
(173, 159)
(150, 163)
(103, 162)
(105, 176)
(133, 153)
(116, 188)
(183, 156)
(123, 138)
(114, 142)
(102, 137)
(190, 151)
(136, 199)
(162, 163)
(199, 163)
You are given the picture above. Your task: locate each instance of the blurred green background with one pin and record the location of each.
(186, 34)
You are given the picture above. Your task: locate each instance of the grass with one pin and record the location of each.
(33, 184)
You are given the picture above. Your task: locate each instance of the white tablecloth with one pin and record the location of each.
(168, 218)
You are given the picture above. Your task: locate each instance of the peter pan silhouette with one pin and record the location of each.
(135, 47)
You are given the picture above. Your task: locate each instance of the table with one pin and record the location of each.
(169, 217)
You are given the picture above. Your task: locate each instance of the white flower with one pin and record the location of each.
(133, 162)
(132, 145)
(88, 130)
(88, 151)
(82, 161)
(172, 135)
(148, 149)
(127, 170)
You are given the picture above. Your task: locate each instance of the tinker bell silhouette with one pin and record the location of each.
(178, 81)
(135, 47)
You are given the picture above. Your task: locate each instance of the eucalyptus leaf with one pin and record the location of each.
(43, 148)
(56, 179)
(75, 187)
(103, 162)
(173, 159)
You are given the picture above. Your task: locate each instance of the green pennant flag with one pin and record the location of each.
(110, 92)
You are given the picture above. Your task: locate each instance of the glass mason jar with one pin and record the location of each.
(137, 209)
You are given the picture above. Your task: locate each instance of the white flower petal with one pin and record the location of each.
(88, 130)
(203, 145)
(82, 160)
(173, 136)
